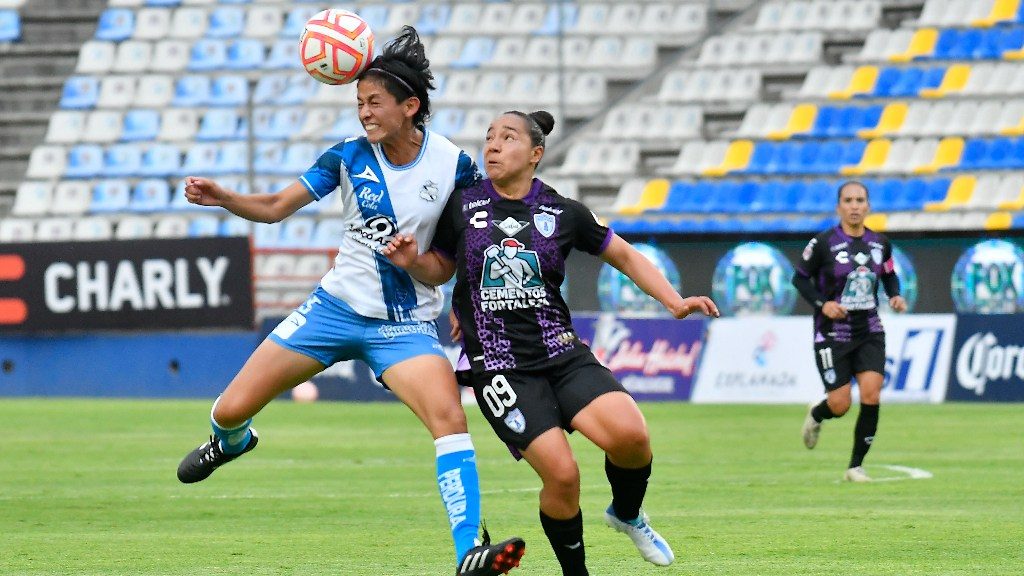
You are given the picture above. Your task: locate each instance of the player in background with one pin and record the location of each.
(838, 275)
(398, 175)
(507, 239)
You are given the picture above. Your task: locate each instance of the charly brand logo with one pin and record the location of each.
(12, 310)
(982, 360)
(151, 284)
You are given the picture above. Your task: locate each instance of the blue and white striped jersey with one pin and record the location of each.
(381, 199)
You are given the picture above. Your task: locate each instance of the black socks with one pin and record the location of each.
(566, 537)
(822, 412)
(629, 485)
(864, 433)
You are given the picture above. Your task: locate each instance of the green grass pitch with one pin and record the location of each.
(88, 487)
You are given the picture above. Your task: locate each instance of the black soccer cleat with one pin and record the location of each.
(492, 560)
(202, 461)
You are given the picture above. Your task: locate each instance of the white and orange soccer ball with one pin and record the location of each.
(336, 46)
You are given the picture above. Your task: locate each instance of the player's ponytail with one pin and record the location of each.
(404, 70)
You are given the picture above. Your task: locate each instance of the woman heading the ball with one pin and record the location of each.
(506, 239)
(838, 275)
(398, 176)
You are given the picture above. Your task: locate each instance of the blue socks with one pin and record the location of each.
(232, 440)
(459, 484)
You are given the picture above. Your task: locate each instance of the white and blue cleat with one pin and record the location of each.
(651, 545)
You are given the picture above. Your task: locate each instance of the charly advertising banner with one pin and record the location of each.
(654, 358)
(135, 285)
(988, 359)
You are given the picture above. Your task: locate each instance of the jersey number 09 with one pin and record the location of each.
(499, 395)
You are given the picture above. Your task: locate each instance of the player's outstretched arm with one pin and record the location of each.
(430, 267)
(641, 271)
(255, 207)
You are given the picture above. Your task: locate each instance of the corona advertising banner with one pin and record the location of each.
(988, 359)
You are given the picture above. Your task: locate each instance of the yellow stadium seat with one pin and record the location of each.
(652, 198)
(960, 191)
(892, 118)
(947, 154)
(954, 81)
(999, 221)
(737, 157)
(921, 44)
(1002, 11)
(862, 82)
(801, 120)
(876, 222)
(874, 156)
(1015, 130)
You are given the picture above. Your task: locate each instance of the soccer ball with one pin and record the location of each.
(336, 46)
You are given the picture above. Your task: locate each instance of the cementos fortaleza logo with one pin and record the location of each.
(753, 278)
(617, 293)
(989, 279)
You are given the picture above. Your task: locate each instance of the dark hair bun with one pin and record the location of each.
(545, 120)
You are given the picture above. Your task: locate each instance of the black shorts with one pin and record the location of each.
(521, 405)
(838, 362)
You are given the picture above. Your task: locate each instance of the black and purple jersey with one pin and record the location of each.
(510, 264)
(847, 270)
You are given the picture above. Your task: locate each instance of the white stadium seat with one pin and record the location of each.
(152, 24)
(65, 127)
(96, 57)
(17, 230)
(32, 199)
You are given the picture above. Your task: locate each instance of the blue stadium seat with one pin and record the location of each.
(868, 119)
(140, 125)
(1016, 159)
(162, 2)
(909, 84)
(433, 19)
(204, 226)
(723, 194)
(767, 196)
(975, 154)
(447, 121)
(476, 52)
(193, 90)
(301, 87)
(231, 226)
(762, 158)
(376, 15)
(269, 87)
(122, 160)
(268, 156)
(1000, 154)
(847, 122)
(956, 44)
(295, 23)
(829, 158)
(245, 54)
(110, 196)
(791, 194)
(990, 46)
(229, 90)
(936, 189)
(786, 159)
(283, 55)
(116, 24)
(80, 92)
(819, 196)
(218, 124)
(161, 160)
(208, 54)
(552, 25)
(10, 26)
(150, 195)
(914, 192)
(887, 80)
(233, 158)
(932, 78)
(201, 159)
(346, 126)
(679, 193)
(298, 157)
(825, 122)
(84, 161)
(1010, 39)
(226, 22)
(887, 195)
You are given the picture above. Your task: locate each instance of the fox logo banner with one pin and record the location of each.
(155, 284)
